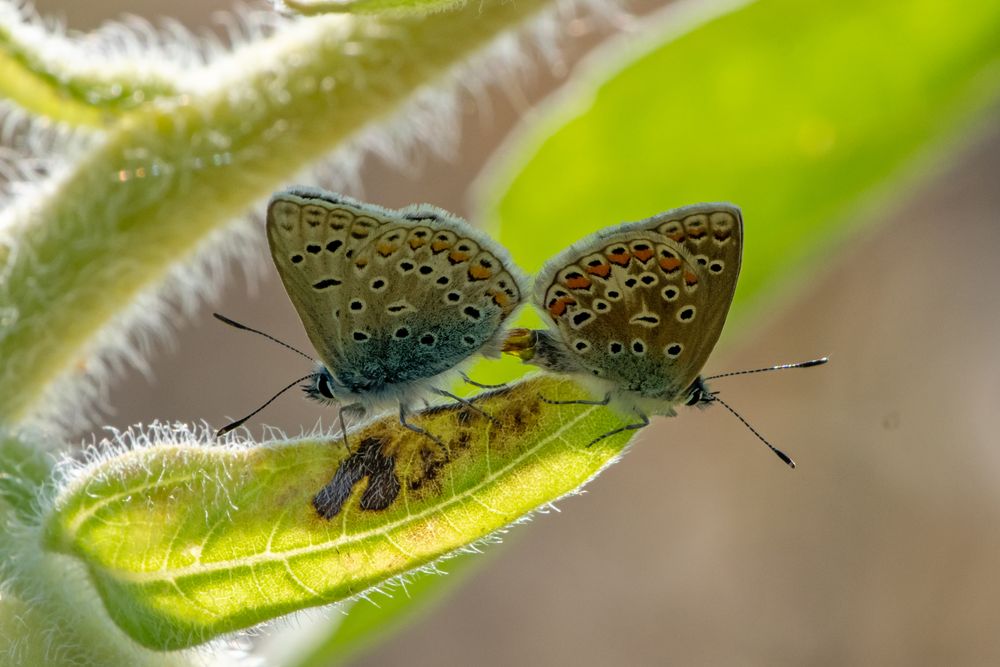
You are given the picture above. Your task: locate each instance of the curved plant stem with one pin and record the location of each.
(86, 93)
(169, 174)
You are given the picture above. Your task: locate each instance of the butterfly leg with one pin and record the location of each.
(604, 401)
(466, 402)
(467, 380)
(417, 429)
(627, 427)
(352, 410)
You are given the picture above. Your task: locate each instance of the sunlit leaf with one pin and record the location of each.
(798, 112)
(186, 541)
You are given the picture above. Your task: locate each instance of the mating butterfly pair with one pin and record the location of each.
(395, 300)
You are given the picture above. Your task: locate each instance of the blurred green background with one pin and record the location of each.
(860, 140)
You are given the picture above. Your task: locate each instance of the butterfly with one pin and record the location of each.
(393, 301)
(636, 309)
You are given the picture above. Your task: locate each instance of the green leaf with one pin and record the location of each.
(50, 615)
(798, 112)
(186, 541)
(368, 622)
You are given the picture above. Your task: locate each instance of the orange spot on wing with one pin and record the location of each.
(361, 263)
(417, 242)
(500, 299)
(601, 271)
(643, 255)
(479, 273)
(438, 246)
(677, 236)
(696, 233)
(558, 306)
(456, 256)
(621, 259)
(670, 264)
(690, 279)
(582, 282)
(385, 249)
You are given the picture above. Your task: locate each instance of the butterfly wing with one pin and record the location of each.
(312, 235)
(431, 291)
(713, 236)
(389, 297)
(644, 309)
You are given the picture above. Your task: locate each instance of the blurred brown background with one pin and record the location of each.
(700, 548)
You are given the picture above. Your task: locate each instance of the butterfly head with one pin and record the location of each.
(699, 394)
(320, 386)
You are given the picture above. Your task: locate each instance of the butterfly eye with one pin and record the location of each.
(323, 386)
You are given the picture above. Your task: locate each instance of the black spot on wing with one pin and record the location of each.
(326, 282)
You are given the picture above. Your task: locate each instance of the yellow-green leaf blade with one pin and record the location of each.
(186, 541)
(795, 111)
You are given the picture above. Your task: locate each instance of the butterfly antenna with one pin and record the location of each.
(780, 367)
(781, 455)
(239, 422)
(237, 325)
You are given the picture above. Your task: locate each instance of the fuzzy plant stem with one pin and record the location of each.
(49, 614)
(168, 174)
(48, 76)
